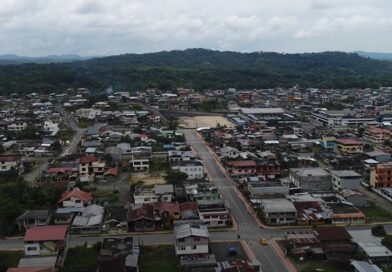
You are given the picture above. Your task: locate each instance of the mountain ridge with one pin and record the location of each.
(200, 69)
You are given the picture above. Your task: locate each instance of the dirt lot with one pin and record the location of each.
(204, 121)
(147, 179)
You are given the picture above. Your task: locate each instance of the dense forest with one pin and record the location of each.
(200, 69)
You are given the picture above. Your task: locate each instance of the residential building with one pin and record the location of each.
(328, 144)
(362, 266)
(371, 246)
(278, 211)
(17, 126)
(238, 169)
(348, 145)
(45, 240)
(213, 213)
(336, 243)
(376, 135)
(91, 166)
(140, 165)
(8, 163)
(379, 156)
(311, 179)
(356, 198)
(51, 128)
(89, 221)
(141, 218)
(381, 175)
(192, 246)
(345, 179)
(259, 189)
(75, 198)
(33, 218)
(152, 194)
(194, 169)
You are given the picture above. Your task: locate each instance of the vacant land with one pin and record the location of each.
(82, 258)
(204, 121)
(375, 213)
(148, 179)
(158, 258)
(319, 265)
(221, 251)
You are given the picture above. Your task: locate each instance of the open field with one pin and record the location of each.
(147, 179)
(204, 121)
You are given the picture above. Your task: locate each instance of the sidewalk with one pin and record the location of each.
(290, 267)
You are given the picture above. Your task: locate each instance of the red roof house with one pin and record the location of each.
(75, 198)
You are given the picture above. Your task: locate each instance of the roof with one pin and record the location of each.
(277, 205)
(86, 221)
(309, 172)
(345, 173)
(187, 230)
(46, 233)
(332, 234)
(377, 130)
(87, 159)
(188, 206)
(38, 261)
(111, 172)
(145, 211)
(34, 214)
(262, 110)
(242, 163)
(169, 207)
(77, 193)
(362, 266)
(57, 170)
(163, 189)
(348, 141)
(8, 158)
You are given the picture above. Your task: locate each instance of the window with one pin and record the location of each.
(194, 247)
(181, 248)
(31, 248)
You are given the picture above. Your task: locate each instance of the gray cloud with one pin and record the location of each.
(98, 27)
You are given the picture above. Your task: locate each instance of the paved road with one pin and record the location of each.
(248, 229)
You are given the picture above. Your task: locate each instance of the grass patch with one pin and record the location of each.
(65, 134)
(82, 258)
(158, 258)
(375, 213)
(319, 266)
(85, 123)
(9, 259)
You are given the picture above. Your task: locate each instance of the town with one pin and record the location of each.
(273, 180)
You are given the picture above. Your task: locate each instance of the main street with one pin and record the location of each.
(248, 228)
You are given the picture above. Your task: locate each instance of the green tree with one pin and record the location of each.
(175, 177)
(379, 231)
(387, 241)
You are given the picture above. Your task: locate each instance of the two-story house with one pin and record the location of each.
(75, 198)
(194, 169)
(192, 246)
(91, 166)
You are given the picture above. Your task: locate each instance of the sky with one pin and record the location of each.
(109, 27)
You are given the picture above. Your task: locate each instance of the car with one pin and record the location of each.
(263, 242)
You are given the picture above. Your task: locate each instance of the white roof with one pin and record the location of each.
(362, 266)
(187, 230)
(262, 110)
(369, 243)
(82, 221)
(277, 205)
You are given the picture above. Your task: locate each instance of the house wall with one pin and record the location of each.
(340, 183)
(281, 218)
(148, 198)
(187, 249)
(8, 165)
(312, 183)
(73, 202)
(214, 218)
(40, 248)
(193, 172)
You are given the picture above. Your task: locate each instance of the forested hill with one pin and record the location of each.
(200, 69)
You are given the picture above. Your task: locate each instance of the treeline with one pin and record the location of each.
(200, 69)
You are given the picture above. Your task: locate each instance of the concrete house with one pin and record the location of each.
(278, 211)
(311, 179)
(345, 179)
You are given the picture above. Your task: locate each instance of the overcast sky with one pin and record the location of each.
(105, 27)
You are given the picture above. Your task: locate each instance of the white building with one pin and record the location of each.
(17, 126)
(194, 169)
(51, 128)
(191, 240)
